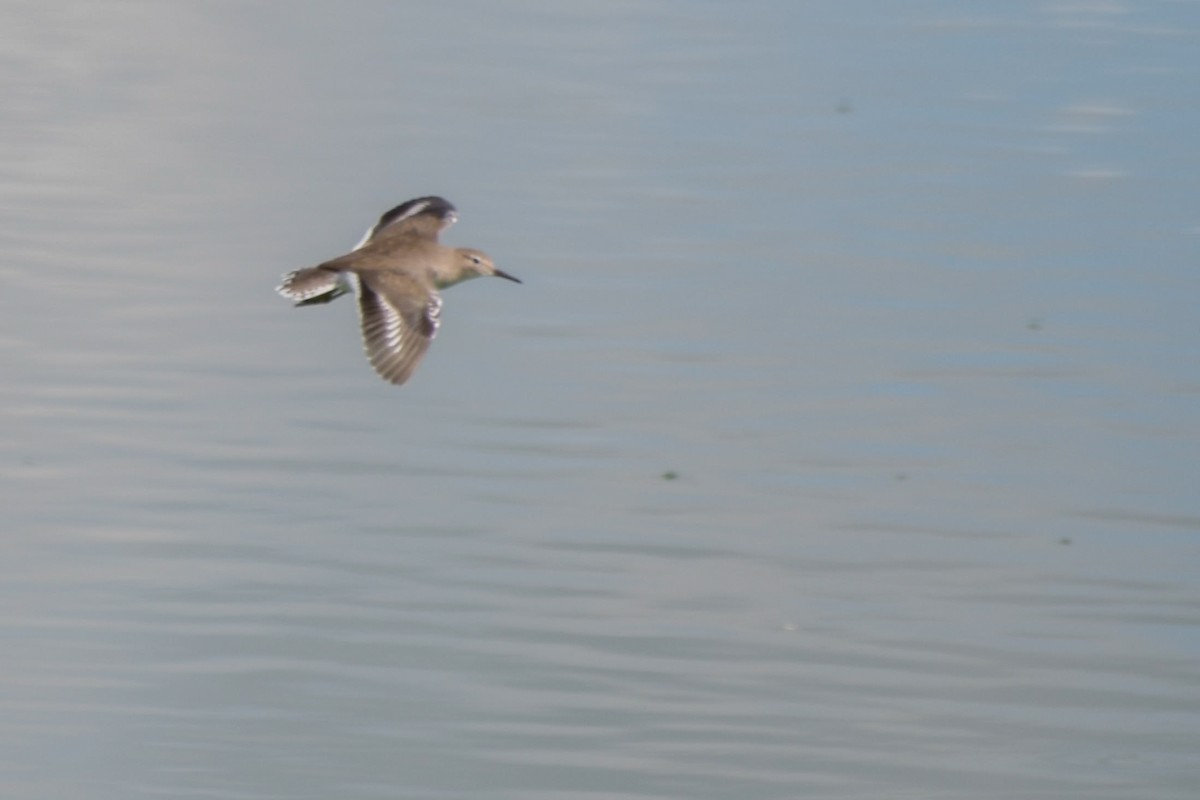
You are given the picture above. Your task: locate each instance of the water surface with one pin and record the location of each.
(841, 441)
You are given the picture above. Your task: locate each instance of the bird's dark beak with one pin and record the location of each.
(500, 274)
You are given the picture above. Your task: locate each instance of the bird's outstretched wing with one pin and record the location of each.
(425, 217)
(399, 319)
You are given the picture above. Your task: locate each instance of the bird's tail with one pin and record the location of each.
(314, 285)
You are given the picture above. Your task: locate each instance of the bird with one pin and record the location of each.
(396, 271)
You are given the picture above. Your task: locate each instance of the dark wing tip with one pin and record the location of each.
(423, 216)
(439, 207)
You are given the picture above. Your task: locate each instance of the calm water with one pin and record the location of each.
(842, 441)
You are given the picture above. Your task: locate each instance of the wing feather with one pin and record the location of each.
(399, 319)
(425, 217)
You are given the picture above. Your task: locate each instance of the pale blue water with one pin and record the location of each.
(841, 442)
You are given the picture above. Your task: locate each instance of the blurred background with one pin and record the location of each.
(842, 441)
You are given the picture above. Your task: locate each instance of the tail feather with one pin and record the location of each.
(312, 286)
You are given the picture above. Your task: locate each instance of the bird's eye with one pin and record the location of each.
(475, 259)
